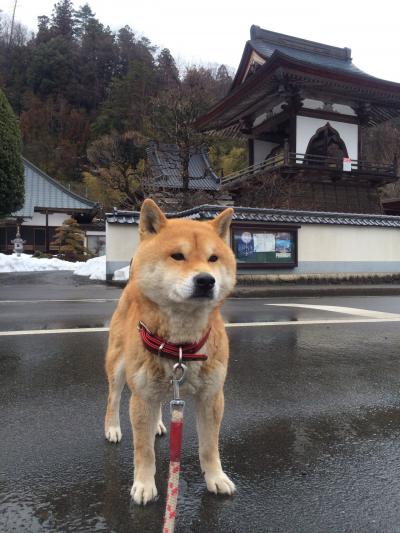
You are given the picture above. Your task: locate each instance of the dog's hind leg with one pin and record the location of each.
(160, 428)
(116, 382)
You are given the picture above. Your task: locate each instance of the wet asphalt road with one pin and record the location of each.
(311, 433)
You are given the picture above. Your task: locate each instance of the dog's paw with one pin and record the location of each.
(143, 493)
(160, 428)
(219, 483)
(113, 433)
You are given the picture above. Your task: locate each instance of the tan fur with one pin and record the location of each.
(159, 294)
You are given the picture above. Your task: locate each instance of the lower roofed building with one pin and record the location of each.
(304, 108)
(47, 204)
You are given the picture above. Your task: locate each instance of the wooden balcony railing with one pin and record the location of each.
(293, 162)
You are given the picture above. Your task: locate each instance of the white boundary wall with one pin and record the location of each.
(337, 249)
(322, 248)
(121, 243)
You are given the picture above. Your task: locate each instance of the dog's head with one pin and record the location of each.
(183, 261)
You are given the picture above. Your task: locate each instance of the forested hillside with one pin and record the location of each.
(89, 99)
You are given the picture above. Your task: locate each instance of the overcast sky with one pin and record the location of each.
(215, 31)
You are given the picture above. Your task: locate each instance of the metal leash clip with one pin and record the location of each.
(178, 375)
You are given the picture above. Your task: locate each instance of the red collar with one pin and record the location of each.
(167, 349)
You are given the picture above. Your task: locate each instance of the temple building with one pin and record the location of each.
(165, 182)
(303, 108)
(47, 204)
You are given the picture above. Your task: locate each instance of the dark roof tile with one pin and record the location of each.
(165, 166)
(266, 42)
(43, 191)
(252, 214)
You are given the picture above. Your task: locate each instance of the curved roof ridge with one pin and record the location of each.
(299, 43)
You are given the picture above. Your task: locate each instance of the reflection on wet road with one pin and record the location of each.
(311, 434)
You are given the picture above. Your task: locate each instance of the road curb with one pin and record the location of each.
(277, 291)
(270, 290)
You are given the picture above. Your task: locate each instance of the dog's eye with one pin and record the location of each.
(178, 257)
(213, 258)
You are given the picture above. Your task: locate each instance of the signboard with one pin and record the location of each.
(264, 247)
(346, 164)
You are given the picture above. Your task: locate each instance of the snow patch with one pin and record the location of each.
(121, 274)
(94, 268)
(27, 263)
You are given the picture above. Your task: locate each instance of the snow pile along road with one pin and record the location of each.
(94, 268)
(122, 274)
(27, 263)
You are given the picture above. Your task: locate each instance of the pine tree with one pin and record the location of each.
(168, 74)
(63, 19)
(83, 17)
(69, 238)
(11, 168)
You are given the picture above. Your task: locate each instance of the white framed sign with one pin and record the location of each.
(346, 164)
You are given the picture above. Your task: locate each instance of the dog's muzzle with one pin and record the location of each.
(203, 286)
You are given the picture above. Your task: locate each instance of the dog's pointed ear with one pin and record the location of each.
(152, 219)
(222, 222)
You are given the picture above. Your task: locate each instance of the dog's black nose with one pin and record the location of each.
(204, 282)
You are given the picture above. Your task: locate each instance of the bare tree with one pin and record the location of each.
(118, 161)
(174, 113)
(382, 143)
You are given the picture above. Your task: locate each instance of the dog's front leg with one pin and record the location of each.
(209, 415)
(144, 417)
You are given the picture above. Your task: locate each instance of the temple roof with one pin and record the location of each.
(44, 192)
(266, 42)
(272, 61)
(165, 166)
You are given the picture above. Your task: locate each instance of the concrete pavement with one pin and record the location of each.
(311, 434)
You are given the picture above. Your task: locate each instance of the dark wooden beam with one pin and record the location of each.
(250, 144)
(328, 115)
(270, 123)
(273, 137)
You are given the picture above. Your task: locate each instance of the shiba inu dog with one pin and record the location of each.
(181, 273)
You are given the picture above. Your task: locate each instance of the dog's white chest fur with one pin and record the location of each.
(195, 381)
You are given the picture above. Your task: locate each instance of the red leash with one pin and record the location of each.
(175, 448)
(181, 353)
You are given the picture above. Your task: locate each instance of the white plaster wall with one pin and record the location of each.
(321, 248)
(39, 219)
(348, 243)
(277, 109)
(263, 117)
(309, 103)
(344, 109)
(259, 119)
(306, 127)
(262, 149)
(122, 241)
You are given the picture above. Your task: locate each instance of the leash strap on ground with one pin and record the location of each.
(175, 447)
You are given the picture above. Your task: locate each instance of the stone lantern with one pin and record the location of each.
(18, 243)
